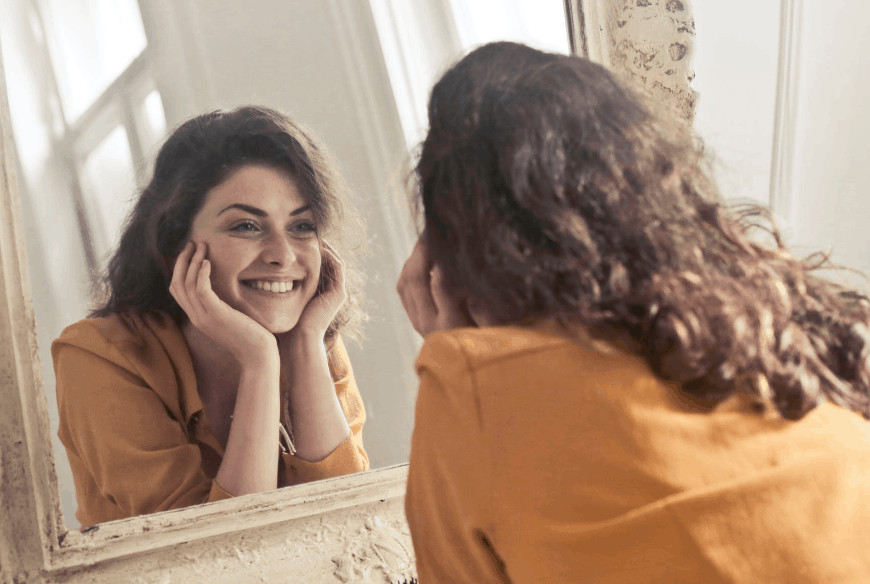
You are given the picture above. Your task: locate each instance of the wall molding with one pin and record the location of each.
(786, 111)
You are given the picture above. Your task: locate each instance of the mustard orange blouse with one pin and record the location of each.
(540, 459)
(134, 427)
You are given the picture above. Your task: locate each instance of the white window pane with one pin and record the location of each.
(108, 183)
(26, 88)
(153, 120)
(91, 42)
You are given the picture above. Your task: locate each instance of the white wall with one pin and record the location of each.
(831, 202)
(735, 66)
(736, 71)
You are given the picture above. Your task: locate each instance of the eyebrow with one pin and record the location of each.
(259, 212)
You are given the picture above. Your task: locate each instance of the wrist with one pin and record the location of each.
(261, 358)
(301, 338)
(299, 352)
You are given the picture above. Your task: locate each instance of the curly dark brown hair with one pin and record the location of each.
(552, 190)
(199, 155)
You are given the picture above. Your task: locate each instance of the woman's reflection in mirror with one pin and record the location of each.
(623, 379)
(214, 365)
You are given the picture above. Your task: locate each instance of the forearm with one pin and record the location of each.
(250, 459)
(319, 423)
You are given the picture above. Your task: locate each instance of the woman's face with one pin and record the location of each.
(262, 244)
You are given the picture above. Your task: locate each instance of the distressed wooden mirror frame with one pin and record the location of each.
(351, 528)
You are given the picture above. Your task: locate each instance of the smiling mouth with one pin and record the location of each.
(271, 286)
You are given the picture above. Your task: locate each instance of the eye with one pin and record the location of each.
(303, 228)
(246, 226)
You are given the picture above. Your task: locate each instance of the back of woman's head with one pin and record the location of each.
(197, 156)
(551, 190)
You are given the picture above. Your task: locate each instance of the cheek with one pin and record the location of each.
(223, 259)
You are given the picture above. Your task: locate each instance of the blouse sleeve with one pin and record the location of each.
(349, 456)
(123, 444)
(447, 503)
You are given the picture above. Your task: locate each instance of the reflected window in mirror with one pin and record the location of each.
(85, 110)
(88, 92)
(91, 43)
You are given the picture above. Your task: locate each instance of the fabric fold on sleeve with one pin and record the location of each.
(128, 456)
(217, 493)
(346, 458)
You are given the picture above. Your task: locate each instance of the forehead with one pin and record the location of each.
(259, 185)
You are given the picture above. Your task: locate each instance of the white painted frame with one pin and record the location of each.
(346, 527)
(635, 39)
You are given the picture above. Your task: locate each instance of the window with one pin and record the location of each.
(85, 107)
(86, 114)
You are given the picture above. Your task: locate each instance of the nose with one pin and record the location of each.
(278, 250)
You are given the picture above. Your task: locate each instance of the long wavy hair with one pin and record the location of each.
(550, 190)
(199, 155)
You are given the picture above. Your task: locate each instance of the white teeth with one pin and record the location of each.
(271, 286)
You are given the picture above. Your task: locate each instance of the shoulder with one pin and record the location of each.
(476, 348)
(506, 358)
(98, 359)
(120, 338)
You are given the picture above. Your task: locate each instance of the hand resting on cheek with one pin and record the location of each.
(331, 295)
(233, 330)
(430, 304)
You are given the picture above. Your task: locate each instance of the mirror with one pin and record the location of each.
(93, 89)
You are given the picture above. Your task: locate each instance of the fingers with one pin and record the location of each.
(414, 288)
(192, 279)
(445, 303)
(330, 295)
(179, 272)
(431, 303)
(204, 293)
(191, 282)
(331, 269)
(416, 271)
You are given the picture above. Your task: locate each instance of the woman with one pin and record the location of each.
(215, 366)
(620, 382)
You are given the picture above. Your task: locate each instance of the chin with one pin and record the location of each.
(280, 327)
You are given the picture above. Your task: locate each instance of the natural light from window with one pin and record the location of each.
(108, 184)
(91, 42)
(538, 23)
